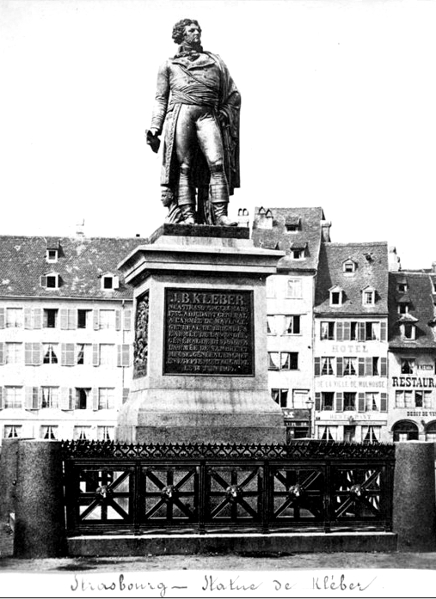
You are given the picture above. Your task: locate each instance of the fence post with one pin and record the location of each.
(39, 513)
(414, 515)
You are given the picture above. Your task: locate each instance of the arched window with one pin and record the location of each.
(404, 430)
(430, 431)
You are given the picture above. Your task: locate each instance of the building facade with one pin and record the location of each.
(290, 294)
(351, 343)
(412, 355)
(66, 336)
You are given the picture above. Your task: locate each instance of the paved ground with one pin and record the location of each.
(310, 561)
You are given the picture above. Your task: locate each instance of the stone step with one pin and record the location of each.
(237, 543)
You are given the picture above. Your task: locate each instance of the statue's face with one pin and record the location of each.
(192, 34)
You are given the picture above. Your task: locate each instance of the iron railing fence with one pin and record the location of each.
(307, 485)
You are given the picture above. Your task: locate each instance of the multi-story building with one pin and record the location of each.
(412, 354)
(65, 336)
(290, 294)
(350, 342)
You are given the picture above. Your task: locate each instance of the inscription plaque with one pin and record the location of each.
(208, 332)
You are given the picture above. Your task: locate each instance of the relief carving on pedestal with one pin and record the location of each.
(140, 344)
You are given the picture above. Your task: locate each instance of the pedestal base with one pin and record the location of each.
(200, 366)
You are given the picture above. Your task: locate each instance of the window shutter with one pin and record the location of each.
(125, 394)
(383, 402)
(37, 318)
(37, 354)
(27, 318)
(339, 331)
(1, 399)
(96, 319)
(317, 402)
(2, 318)
(65, 399)
(317, 366)
(361, 366)
(37, 398)
(383, 331)
(119, 355)
(95, 399)
(72, 318)
(126, 355)
(361, 331)
(347, 331)
(383, 367)
(67, 354)
(118, 320)
(95, 354)
(43, 281)
(116, 281)
(32, 398)
(361, 402)
(2, 354)
(368, 366)
(28, 354)
(127, 319)
(339, 402)
(64, 318)
(339, 366)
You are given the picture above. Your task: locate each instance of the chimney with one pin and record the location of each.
(393, 260)
(325, 230)
(80, 228)
(243, 217)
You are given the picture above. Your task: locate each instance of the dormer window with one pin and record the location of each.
(298, 251)
(50, 281)
(407, 324)
(109, 282)
(402, 286)
(336, 296)
(292, 224)
(349, 267)
(368, 296)
(52, 255)
(403, 308)
(408, 331)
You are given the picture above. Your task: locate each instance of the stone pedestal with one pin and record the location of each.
(200, 359)
(414, 512)
(39, 509)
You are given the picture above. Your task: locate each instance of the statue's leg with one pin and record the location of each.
(209, 138)
(185, 141)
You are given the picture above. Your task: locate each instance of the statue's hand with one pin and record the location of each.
(153, 139)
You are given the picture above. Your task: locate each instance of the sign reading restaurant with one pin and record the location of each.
(422, 382)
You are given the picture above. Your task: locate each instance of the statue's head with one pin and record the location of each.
(186, 29)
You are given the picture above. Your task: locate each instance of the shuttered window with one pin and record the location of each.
(33, 354)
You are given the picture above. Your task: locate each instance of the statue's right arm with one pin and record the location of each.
(161, 99)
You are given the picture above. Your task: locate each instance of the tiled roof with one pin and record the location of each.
(371, 261)
(420, 295)
(81, 263)
(277, 237)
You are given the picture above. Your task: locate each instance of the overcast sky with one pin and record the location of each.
(338, 111)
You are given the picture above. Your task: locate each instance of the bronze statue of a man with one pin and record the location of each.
(199, 103)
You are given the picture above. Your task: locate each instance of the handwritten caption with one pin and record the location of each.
(214, 585)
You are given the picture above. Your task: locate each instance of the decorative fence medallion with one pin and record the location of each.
(208, 331)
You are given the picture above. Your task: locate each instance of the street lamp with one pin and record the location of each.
(311, 407)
